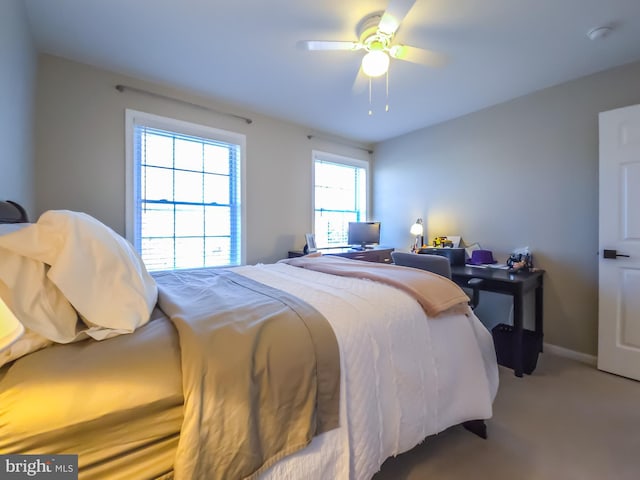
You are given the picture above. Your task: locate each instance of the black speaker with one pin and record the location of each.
(456, 256)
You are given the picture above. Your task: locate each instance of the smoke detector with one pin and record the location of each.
(597, 33)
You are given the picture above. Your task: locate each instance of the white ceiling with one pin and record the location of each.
(244, 52)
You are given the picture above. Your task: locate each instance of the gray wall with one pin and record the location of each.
(80, 153)
(523, 173)
(17, 92)
(520, 173)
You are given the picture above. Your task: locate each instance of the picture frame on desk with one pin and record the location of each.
(310, 246)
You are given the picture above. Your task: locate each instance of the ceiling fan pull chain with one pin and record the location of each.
(370, 107)
(386, 107)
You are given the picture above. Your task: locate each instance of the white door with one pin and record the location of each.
(619, 275)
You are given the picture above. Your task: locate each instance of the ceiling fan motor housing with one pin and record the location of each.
(370, 37)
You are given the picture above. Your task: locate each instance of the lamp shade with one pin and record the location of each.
(417, 228)
(375, 63)
(10, 328)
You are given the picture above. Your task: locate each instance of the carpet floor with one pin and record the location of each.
(566, 421)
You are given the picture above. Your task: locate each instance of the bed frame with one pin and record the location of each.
(12, 212)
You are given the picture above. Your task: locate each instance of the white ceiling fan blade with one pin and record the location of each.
(328, 45)
(394, 14)
(418, 55)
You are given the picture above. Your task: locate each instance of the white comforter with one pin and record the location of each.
(404, 376)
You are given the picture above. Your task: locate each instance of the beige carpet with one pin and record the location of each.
(566, 421)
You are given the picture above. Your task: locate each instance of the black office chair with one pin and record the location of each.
(436, 264)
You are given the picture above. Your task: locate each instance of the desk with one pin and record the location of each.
(377, 254)
(516, 285)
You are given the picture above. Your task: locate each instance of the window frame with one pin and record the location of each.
(318, 155)
(132, 170)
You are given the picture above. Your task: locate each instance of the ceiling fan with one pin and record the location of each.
(375, 36)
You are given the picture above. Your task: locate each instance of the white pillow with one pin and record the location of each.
(34, 299)
(96, 269)
(29, 342)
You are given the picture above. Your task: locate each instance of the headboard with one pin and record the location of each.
(12, 212)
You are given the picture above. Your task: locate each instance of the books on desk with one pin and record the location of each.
(498, 266)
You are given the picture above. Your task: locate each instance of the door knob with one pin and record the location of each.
(613, 254)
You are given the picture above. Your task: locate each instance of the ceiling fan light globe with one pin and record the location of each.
(375, 63)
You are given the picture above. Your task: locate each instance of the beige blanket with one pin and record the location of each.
(260, 373)
(435, 293)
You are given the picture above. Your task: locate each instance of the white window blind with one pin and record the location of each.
(187, 202)
(340, 197)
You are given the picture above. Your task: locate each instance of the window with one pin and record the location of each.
(340, 197)
(184, 207)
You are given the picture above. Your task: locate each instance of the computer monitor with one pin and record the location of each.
(364, 234)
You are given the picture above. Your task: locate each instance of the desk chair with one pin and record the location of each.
(436, 264)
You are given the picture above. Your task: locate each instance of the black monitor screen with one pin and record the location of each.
(364, 233)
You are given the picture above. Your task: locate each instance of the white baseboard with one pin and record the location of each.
(565, 352)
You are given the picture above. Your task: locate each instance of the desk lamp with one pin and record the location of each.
(418, 230)
(10, 328)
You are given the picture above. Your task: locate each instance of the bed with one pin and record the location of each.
(345, 364)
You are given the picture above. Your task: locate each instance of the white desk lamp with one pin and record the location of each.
(10, 328)
(418, 230)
